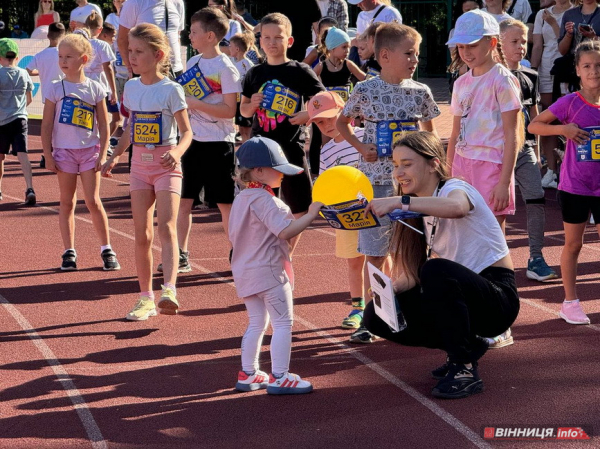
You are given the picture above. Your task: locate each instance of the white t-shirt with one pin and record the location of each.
(85, 10)
(46, 63)
(499, 17)
(242, 66)
(113, 19)
(474, 241)
(69, 136)
(342, 153)
(522, 10)
(550, 51)
(94, 70)
(135, 12)
(387, 15)
(166, 96)
(234, 28)
(223, 78)
(480, 101)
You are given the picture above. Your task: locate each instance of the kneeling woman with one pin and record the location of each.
(468, 290)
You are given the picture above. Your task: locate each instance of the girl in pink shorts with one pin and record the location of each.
(75, 141)
(157, 107)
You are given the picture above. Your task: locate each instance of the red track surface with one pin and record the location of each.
(76, 374)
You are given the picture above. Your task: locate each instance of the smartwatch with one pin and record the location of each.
(405, 200)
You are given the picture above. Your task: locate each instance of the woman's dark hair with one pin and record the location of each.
(458, 11)
(408, 248)
(228, 7)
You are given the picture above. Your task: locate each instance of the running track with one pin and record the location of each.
(75, 374)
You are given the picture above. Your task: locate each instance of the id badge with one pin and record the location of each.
(280, 99)
(194, 83)
(146, 128)
(590, 151)
(342, 91)
(349, 215)
(75, 112)
(389, 132)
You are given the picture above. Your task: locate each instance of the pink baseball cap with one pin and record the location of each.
(324, 105)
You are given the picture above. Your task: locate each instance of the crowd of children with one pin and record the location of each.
(182, 135)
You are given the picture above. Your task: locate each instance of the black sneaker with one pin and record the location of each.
(69, 262)
(110, 260)
(184, 263)
(43, 162)
(481, 347)
(30, 197)
(460, 382)
(362, 335)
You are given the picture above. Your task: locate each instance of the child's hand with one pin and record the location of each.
(500, 197)
(256, 100)
(299, 118)
(575, 133)
(569, 28)
(368, 151)
(169, 161)
(315, 207)
(51, 165)
(99, 163)
(549, 18)
(106, 169)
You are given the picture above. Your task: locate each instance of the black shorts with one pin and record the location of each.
(14, 134)
(209, 165)
(296, 191)
(240, 120)
(576, 208)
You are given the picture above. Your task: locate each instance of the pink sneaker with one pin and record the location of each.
(573, 314)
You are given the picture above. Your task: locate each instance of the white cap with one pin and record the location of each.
(472, 26)
(354, 2)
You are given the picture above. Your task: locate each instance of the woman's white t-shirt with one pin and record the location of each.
(550, 51)
(387, 15)
(474, 241)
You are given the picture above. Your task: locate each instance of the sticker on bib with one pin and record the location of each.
(280, 99)
(342, 91)
(119, 60)
(389, 132)
(590, 150)
(146, 128)
(349, 215)
(194, 83)
(75, 112)
(371, 72)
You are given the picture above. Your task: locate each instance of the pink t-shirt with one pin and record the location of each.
(480, 101)
(579, 178)
(260, 259)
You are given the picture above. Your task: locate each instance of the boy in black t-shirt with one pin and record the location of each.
(272, 78)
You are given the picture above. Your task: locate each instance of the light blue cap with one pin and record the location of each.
(335, 38)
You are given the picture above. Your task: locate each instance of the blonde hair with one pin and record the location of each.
(243, 175)
(457, 62)
(244, 40)
(156, 39)
(40, 11)
(79, 43)
(94, 21)
(390, 35)
(507, 23)
(276, 18)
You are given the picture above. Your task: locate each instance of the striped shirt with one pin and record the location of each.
(333, 154)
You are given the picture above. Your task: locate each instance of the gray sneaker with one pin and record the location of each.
(184, 263)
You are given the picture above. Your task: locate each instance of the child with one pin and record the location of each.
(284, 128)
(15, 95)
(513, 36)
(108, 34)
(209, 162)
(579, 187)
(260, 228)
(385, 101)
(335, 70)
(157, 108)
(238, 49)
(324, 110)
(100, 68)
(366, 50)
(314, 53)
(75, 139)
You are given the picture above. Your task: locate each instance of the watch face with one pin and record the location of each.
(405, 199)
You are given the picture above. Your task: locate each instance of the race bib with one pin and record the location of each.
(371, 72)
(194, 83)
(349, 215)
(146, 128)
(389, 132)
(77, 113)
(119, 60)
(399, 214)
(342, 91)
(590, 151)
(280, 99)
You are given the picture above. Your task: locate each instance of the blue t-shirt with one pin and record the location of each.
(14, 85)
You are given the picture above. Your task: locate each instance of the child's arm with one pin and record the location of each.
(47, 128)
(541, 126)
(300, 224)
(311, 57)
(452, 142)
(501, 193)
(248, 106)
(173, 156)
(123, 44)
(110, 74)
(368, 150)
(429, 126)
(124, 142)
(225, 109)
(533, 113)
(356, 71)
(33, 72)
(29, 97)
(103, 128)
(318, 69)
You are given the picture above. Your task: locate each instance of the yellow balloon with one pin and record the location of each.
(342, 183)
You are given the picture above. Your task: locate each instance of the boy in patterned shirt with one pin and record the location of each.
(388, 104)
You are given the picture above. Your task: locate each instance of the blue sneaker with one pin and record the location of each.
(538, 270)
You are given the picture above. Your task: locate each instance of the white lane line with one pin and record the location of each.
(79, 404)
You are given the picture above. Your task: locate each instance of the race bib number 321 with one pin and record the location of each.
(77, 113)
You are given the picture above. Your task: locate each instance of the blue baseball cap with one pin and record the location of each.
(262, 152)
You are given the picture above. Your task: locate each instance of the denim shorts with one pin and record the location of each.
(375, 242)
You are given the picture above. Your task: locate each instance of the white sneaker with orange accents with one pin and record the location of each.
(288, 384)
(253, 382)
